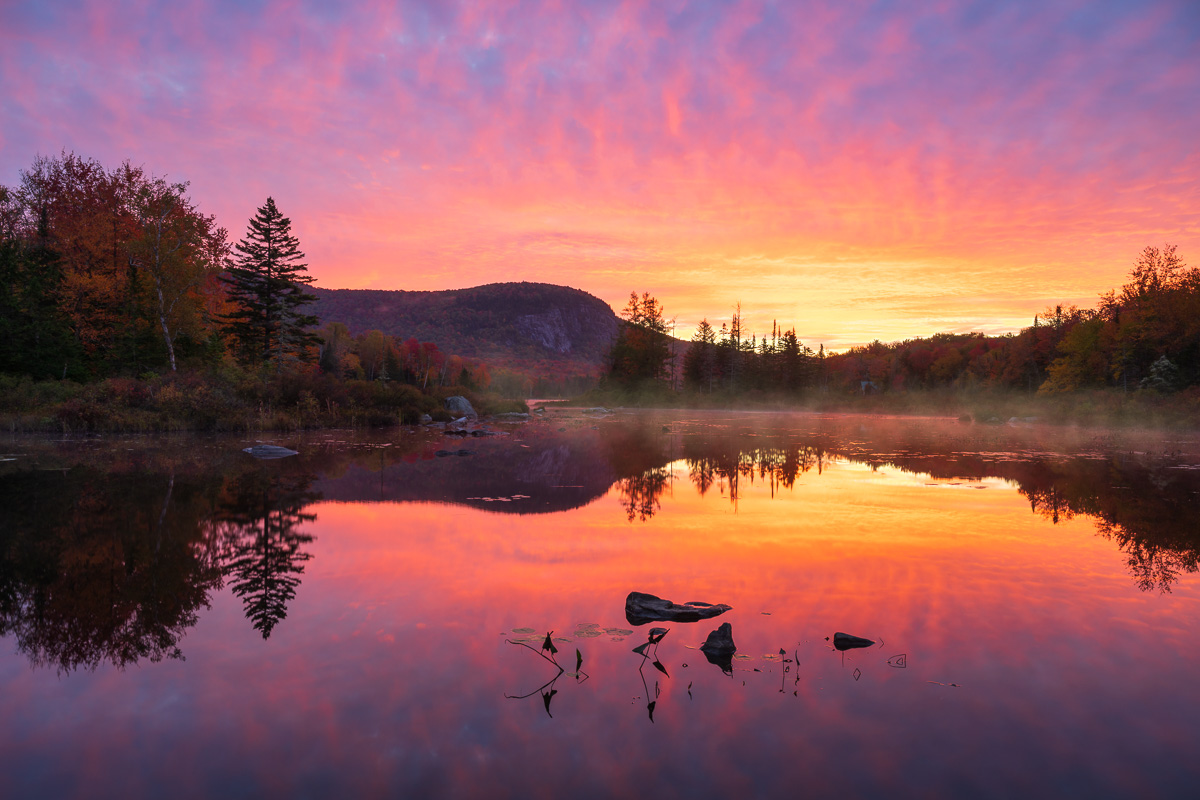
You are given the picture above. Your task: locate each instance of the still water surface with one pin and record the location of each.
(366, 618)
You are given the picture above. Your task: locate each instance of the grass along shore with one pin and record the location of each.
(232, 402)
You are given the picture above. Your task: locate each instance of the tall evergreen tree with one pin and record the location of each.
(266, 286)
(641, 351)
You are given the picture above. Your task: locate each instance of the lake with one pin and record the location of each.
(367, 618)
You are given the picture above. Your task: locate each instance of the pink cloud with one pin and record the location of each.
(414, 142)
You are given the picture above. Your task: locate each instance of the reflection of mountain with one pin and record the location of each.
(108, 556)
(540, 470)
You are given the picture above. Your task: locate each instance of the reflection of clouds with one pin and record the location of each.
(390, 673)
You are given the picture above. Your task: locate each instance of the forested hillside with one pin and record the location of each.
(536, 328)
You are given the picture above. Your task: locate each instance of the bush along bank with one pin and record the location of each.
(208, 402)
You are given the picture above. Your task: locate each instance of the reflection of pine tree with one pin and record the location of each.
(265, 557)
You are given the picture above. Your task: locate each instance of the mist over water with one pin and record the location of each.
(180, 617)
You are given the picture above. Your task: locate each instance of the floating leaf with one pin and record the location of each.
(587, 633)
(523, 630)
(656, 638)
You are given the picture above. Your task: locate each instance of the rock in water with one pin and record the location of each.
(844, 641)
(642, 608)
(460, 406)
(720, 641)
(719, 648)
(269, 451)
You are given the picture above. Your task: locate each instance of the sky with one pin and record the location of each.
(857, 170)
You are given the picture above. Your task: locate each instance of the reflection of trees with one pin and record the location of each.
(1144, 505)
(259, 519)
(1147, 510)
(777, 466)
(639, 494)
(112, 566)
(101, 568)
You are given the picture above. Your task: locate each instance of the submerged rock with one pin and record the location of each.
(460, 406)
(844, 641)
(641, 608)
(269, 451)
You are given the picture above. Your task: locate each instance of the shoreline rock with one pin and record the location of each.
(269, 451)
(460, 406)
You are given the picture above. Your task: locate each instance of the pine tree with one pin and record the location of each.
(266, 285)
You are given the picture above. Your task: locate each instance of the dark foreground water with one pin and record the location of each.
(367, 618)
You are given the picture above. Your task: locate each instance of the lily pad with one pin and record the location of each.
(522, 630)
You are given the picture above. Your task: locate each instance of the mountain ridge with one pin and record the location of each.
(539, 327)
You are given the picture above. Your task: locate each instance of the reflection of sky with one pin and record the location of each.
(388, 674)
(858, 170)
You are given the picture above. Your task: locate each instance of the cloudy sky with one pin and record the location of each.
(857, 169)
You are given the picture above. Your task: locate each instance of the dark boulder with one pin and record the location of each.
(643, 608)
(719, 648)
(844, 641)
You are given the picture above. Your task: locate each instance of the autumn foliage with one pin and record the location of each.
(117, 288)
(1143, 338)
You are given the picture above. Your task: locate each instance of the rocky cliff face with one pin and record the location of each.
(567, 327)
(510, 323)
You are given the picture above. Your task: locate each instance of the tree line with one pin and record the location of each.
(110, 273)
(1143, 336)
